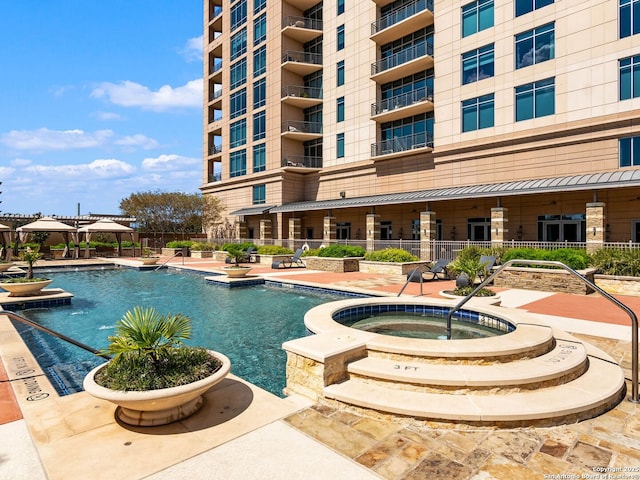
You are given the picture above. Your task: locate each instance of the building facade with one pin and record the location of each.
(424, 120)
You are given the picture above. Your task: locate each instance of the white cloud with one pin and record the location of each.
(137, 140)
(5, 172)
(100, 168)
(107, 116)
(132, 94)
(20, 162)
(44, 139)
(169, 162)
(193, 50)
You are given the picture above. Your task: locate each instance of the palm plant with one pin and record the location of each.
(30, 256)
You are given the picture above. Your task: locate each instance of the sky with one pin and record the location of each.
(98, 100)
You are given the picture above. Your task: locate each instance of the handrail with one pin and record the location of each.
(168, 259)
(634, 319)
(61, 336)
(409, 277)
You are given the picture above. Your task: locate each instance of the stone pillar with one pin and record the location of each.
(265, 232)
(595, 226)
(241, 230)
(499, 220)
(373, 231)
(295, 232)
(427, 235)
(329, 230)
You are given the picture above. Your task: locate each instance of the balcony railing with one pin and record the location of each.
(402, 144)
(302, 92)
(215, 94)
(215, 66)
(215, 149)
(416, 51)
(302, 57)
(302, 161)
(214, 12)
(400, 14)
(403, 100)
(296, 126)
(215, 115)
(302, 22)
(215, 177)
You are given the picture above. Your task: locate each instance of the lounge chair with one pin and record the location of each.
(294, 261)
(488, 261)
(438, 271)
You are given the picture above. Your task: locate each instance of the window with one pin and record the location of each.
(629, 77)
(259, 5)
(259, 125)
(629, 18)
(238, 73)
(238, 103)
(477, 64)
(477, 113)
(340, 109)
(535, 46)
(535, 99)
(259, 158)
(477, 16)
(238, 163)
(260, 61)
(238, 14)
(259, 194)
(340, 37)
(340, 7)
(238, 133)
(629, 151)
(526, 6)
(239, 44)
(340, 145)
(260, 29)
(340, 73)
(406, 133)
(260, 93)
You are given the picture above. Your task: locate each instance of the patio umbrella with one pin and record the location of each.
(48, 224)
(6, 240)
(108, 226)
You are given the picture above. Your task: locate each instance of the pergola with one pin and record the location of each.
(49, 224)
(6, 241)
(107, 226)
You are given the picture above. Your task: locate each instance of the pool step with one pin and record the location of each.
(598, 389)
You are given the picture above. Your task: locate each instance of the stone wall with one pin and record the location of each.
(619, 285)
(328, 264)
(391, 268)
(545, 279)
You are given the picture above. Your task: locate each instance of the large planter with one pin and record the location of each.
(492, 300)
(390, 268)
(331, 264)
(545, 279)
(4, 266)
(25, 289)
(236, 272)
(157, 407)
(202, 253)
(149, 260)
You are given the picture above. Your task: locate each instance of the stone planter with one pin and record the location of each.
(25, 289)
(236, 272)
(202, 253)
(545, 279)
(4, 266)
(170, 252)
(157, 407)
(148, 260)
(391, 268)
(329, 264)
(493, 300)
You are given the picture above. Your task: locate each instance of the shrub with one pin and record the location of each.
(205, 246)
(396, 255)
(243, 246)
(341, 251)
(572, 257)
(179, 244)
(615, 261)
(274, 250)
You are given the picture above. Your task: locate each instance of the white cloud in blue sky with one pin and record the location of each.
(132, 94)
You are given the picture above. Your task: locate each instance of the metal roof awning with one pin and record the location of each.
(624, 178)
(253, 210)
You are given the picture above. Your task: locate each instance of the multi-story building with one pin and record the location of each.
(424, 119)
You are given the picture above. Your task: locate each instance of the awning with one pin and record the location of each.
(253, 210)
(625, 178)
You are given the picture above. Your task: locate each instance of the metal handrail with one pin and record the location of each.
(410, 278)
(634, 319)
(61, 336)
(169, 259)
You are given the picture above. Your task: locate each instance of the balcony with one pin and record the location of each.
(215, 97)
(402, 145)
(303, 4)
(215, 70)
(301, 97)
(215, 46)
(215, 150)
(404, 105)
(215, 17)
(301, 63)
(215, 177)
(215, 9)
(301, 29)
(402, 64)
(397, 23)
(301, 131)
(298, 162)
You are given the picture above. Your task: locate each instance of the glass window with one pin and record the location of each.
(629, 17)
(260, 93)
(238, 163)
(259, 125)
(629, 77)
(238, 133)
(260, 61)
(259, 5)
(340, 7)
(238, 103)
(535, 99)
(260, 29)
(477, 64)
(526, 6)
(629, 151)
(238, 73)
(239, 44)
(238, 14)
(259, 158)
(340, 37)
(477, 16)
(340, 73)
(340, 109)
(535, 46)
(340, 145)
(259, 194)
(477, 113)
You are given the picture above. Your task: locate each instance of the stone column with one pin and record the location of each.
(329, 230)
(265, 232)
(295, 232)
(427, 235)
(373, 231)
(241, 230)
(499, 220)
(595, 226)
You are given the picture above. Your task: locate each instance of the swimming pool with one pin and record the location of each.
(248, 325)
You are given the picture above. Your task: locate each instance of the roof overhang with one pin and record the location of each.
(253, 210)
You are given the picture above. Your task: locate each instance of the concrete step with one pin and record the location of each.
(598, 389)
(565, 361)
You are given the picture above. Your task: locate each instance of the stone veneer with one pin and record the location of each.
(391, 268)
(330, 264)
(544, 279)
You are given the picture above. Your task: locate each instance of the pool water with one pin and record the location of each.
(248, 324)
